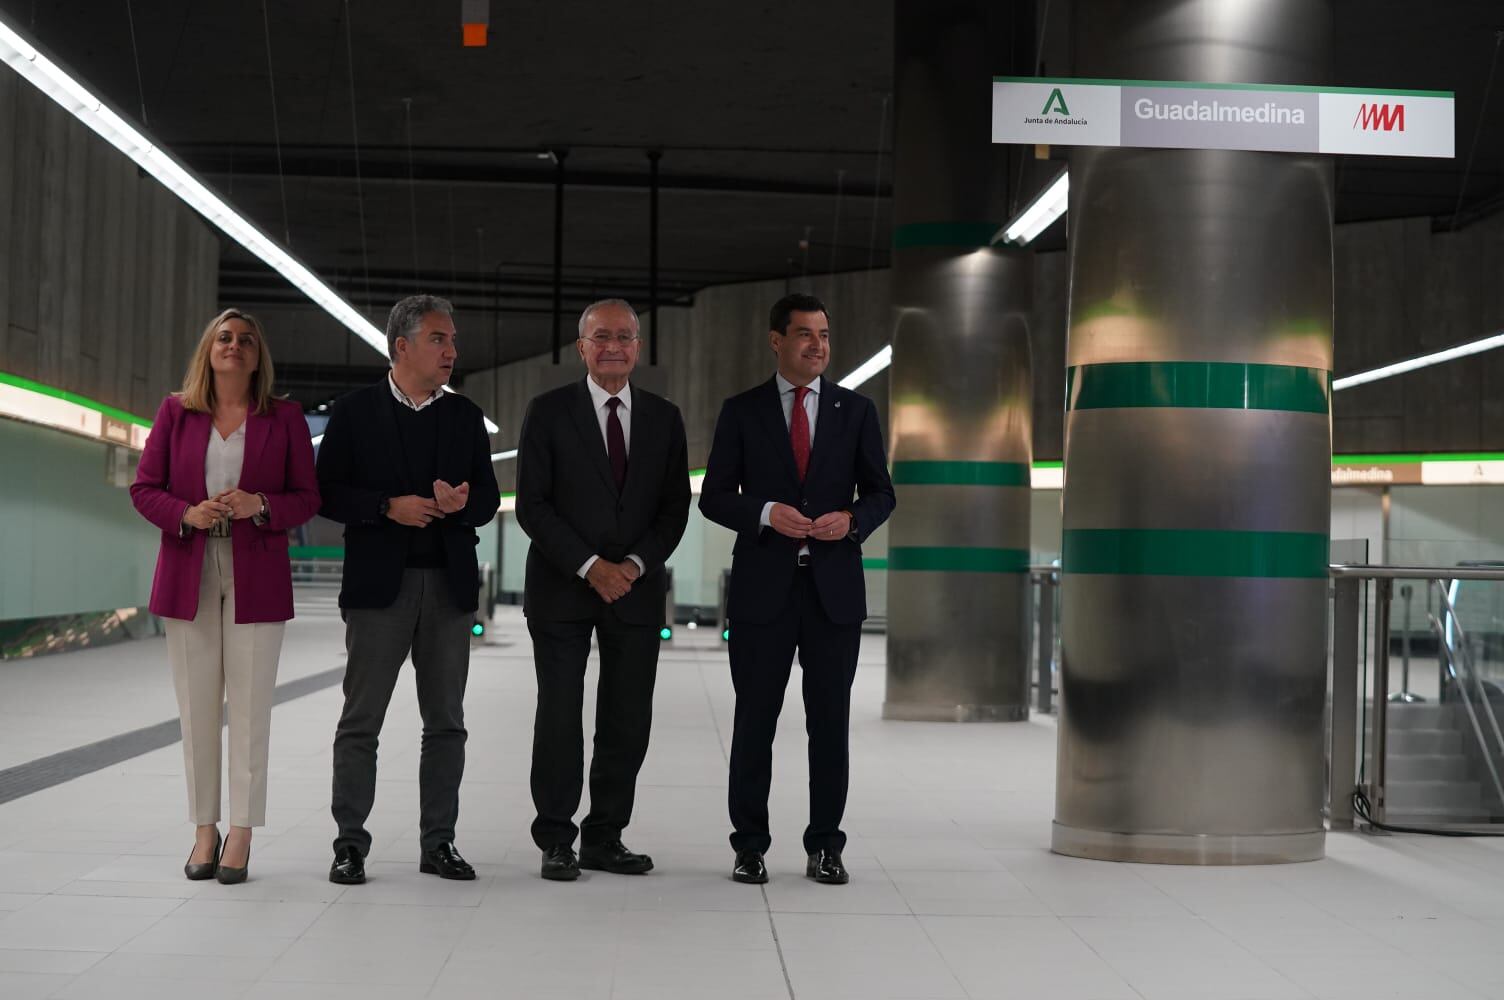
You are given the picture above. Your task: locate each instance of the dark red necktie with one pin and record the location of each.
(616, 444)
(799, 431)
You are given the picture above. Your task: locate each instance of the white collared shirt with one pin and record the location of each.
(812, 411)
(599, 398)
(402, 397)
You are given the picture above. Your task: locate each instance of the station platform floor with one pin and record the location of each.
(954, 892)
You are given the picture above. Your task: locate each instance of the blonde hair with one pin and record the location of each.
(198, 383)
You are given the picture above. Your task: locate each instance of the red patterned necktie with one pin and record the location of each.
(799, 431)
(616, 444)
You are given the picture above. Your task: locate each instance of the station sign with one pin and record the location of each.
(1259, 117)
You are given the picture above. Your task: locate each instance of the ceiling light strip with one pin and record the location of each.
(52, 80)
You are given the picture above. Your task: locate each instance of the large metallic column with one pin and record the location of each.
(958, 587)
(1197, 465)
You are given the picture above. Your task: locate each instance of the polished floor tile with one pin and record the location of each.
(954, 893)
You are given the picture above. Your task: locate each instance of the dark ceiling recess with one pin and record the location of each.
(769, 119)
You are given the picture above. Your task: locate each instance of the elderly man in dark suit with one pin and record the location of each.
(603, 492)
(797, 469)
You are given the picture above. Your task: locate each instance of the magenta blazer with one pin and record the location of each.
(278, 462)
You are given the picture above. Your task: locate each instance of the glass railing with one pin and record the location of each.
(1418, 696)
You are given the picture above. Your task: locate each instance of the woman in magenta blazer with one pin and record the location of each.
(226, 472)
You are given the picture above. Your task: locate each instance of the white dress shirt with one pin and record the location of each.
(600, 398)
(812, 411)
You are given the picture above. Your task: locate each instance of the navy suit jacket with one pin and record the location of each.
(752, 462)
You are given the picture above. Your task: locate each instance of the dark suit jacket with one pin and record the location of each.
(752, 462)
(360, 463)
(568, 504)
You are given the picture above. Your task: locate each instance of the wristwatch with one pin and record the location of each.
(259, 517)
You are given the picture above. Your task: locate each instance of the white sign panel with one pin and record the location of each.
(1175, 115)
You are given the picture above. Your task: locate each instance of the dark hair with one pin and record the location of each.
(785, 307)
(406, 319)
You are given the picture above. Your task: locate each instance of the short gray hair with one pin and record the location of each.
(606, 304)
(407, 318)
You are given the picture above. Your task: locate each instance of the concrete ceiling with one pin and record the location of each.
(762, 112)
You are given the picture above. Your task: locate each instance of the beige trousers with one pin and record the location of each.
(215, 661)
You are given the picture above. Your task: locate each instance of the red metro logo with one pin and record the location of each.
(1380, 118)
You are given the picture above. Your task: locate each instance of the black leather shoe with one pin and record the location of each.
(749, 868)
(559, 864)
(234, 876)
(614, 857)
(349, 867)
(825, 867)
(203, 870)
(445, 862)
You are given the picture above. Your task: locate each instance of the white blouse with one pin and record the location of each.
(223, 460)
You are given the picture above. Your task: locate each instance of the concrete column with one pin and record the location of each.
(960, 382)
(1197, 461)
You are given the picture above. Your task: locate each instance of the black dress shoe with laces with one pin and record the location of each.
(559, 864)
(445, 862)
(349, 867)
(825, 867)
(749, 868)
(614, 857)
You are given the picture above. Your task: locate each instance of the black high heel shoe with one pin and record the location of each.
(234, 876)
(199, 871)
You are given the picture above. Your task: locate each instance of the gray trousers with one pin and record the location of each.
(422, 620)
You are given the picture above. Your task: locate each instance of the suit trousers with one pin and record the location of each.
(623, 718)
(425, 621)
(215, 661)
(761, 661)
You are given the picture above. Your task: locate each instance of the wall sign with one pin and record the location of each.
(1177, 115)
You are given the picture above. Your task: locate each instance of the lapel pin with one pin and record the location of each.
(838, 404)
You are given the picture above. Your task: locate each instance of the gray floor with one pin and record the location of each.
(954, 893)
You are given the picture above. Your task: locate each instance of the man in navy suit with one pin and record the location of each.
(798, 470)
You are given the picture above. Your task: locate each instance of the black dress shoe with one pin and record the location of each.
(825, 867)
(349, 867)
(445, 862)
(234, 876)
(202, 870)
(559, 864)
(749, 868)
(614, 857)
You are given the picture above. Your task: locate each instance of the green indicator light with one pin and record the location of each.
(477, 629)
(665, 633)
(726, 635)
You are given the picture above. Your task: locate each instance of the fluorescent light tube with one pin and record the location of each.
(54, 81)
(1424, 361)
(1047, 206)
(882, 359)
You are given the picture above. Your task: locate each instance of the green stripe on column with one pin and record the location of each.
(1199, 384)
(944, 234)
(1145, 552)
(315, 551)
(957, 560)
(961, 473)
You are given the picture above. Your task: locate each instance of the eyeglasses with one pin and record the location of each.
(604, 340)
